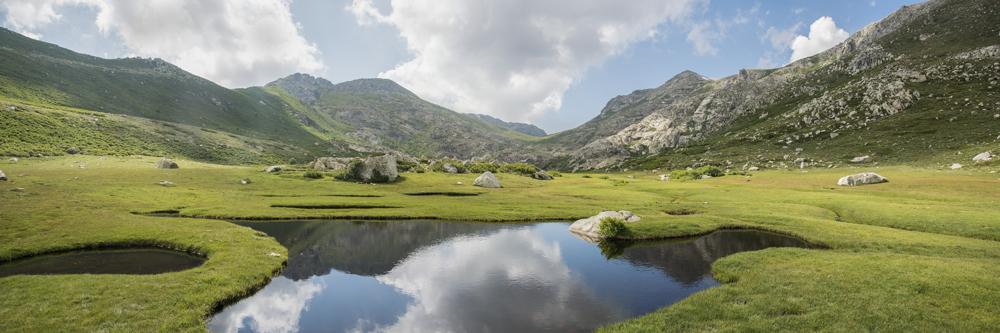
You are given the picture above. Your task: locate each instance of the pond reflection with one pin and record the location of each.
(423, 276)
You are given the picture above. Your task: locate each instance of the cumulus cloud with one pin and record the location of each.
(235, 43)
(512, 59)
(823, 34)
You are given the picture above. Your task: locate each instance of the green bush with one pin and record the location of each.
(480, 167)
(421, 170)
(685, 175)
(611, 227)
(555, 174)
(604, 177)
(586, 176)
(621, 183)
(519, 168)
(313, 174)
(440, 166)
(404, 166)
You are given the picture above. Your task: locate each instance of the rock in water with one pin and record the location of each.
(377, 169)
(3, 176)
(166, 164)
(590, 226)
(450, 168)
(541, 175)
(487, 180)
(861, 179)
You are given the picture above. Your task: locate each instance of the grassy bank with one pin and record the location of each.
(916, 254)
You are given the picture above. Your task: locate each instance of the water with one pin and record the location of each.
(122, 261)
(423, 276)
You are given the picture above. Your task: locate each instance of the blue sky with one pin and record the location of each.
(553, 63)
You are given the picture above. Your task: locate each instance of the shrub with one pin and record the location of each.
(313, 174)
(555, 174)
(520, 168)
(480, 167)
(586, 176)
(604, 177)
(611, 227)
(621, 183)
(421, 170)
(684, 175)
(440, 166)
(403, 166)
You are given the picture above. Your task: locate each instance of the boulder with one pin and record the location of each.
(982, 158)
(166, 164)
(956, 166)
(12, 159)
(862, 179)
(590, 226)
(753, 169)
(331, 163)
(377, 169)
(273, 168)
(487, 180)
(862, 159)
(705, 176)
(450, 168)
(541, 175)
(3, 176)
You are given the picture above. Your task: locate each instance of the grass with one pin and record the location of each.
(918, 253)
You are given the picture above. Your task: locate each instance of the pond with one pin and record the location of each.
(111, 261)
(429, 276)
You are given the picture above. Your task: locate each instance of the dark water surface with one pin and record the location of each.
(144, 261)
(423, 276)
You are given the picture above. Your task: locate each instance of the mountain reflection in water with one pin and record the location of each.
(424, 276)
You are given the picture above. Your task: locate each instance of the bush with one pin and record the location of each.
(740, 173)
(404, 166)
(520, 168)
(604, 177)
(621, 183)
(421, 170)
(684, 175)
(480, 167)
(313, 174)
(440, 166)
(586, 176)
(611, 227)
(555, 174)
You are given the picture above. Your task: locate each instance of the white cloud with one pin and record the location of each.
(276, 308)
(823, 34)
(781, 39)
(235, 43)
(701, 35)
(512, 59)
(872, 3)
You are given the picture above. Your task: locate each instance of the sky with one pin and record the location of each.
(552, 63)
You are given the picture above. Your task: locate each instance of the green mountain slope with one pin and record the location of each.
(384, 113)
(42, 74)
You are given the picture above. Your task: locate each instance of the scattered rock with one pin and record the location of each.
(861, 179)
(2, 175)
(487, 180)
(166, 164)
(244, 181)
(272, 254)
(984, 157)
(664, 177)
(590, 226)
(542, 175)
(378, 169)
(753, 169)
(12, 159)
(165, 183)
(862, 159)
(450, 168)
(802, 165)
(331, 163)
(705, 176)
(274, 168)
(11, 108)
(956, 166)
(459, 183)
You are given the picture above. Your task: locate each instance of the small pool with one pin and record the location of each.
(432, 276)
(118, 261)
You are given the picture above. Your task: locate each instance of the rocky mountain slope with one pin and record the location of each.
(528, 129)
(923, 75)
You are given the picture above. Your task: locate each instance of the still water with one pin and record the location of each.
(120, 261)
(424, 276)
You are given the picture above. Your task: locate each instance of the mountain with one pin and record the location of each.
(386, 114)
(45, 75)
(914, 87)
(528, 129)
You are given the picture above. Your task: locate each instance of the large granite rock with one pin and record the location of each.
(862, 179)
(331, 163)
(377, 169)
(589, 227)
(274, 168)
(450, 168)
(3, 176)
(166, 164)
(983, 158)
(541, 175)
(862, 159)
(487, 180)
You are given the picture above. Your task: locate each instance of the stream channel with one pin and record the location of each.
(432, 276)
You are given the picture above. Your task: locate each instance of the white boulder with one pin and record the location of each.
(862, 179)
(590, 226)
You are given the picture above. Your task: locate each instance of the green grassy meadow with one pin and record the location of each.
(919, 253)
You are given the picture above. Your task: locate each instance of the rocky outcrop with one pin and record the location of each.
(166, 164)
(377, 169)
(487, 180)
(331, 163)
(862, 179)
(591, 226)
(541, 175)
(983, 158)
